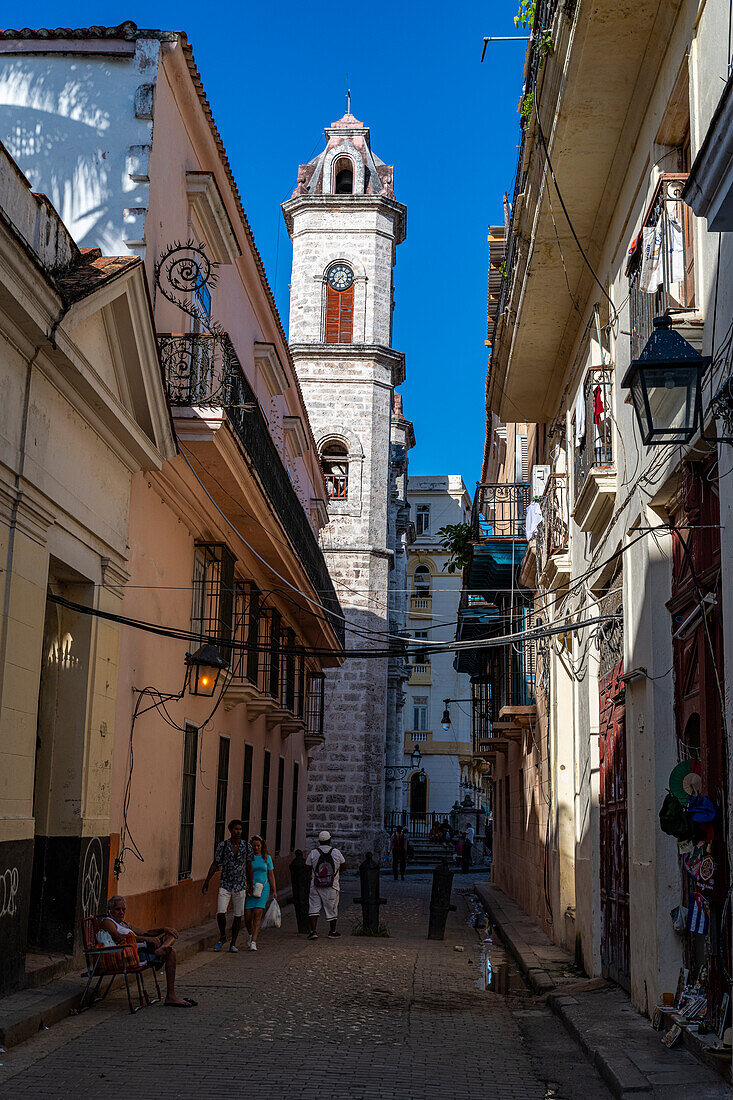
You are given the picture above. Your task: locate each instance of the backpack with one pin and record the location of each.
(324, 871)
(673, 819)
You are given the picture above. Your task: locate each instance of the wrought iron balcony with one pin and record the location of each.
(552, 534)
(203, 371)
(500, 511)
(595, 450)
(661, 276)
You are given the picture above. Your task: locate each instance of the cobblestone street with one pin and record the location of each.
(399, 1018)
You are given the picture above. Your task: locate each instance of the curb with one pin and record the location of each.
(623, 1078)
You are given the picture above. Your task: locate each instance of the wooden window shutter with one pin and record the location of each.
(339, 315)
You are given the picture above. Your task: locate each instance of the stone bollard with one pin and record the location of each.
(440, 904)
(370, 899)
(300, 877)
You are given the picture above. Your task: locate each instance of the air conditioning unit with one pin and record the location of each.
(540, 477)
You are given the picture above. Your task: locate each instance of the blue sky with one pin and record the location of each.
(276, 74)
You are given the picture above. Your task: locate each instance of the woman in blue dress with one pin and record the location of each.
(263, 875)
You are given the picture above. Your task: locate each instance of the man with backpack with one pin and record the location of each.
(326, 862)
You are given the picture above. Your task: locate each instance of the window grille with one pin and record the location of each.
(222, 790)
(314, 706)
(265, 796)
(294, 805)
(247, 787)
(212, 611)
(279, 814)
(188, 801)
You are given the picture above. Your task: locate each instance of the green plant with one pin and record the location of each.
(358, 929)
(526, 108)
(546, 46)
(456, 539)
(525, 15)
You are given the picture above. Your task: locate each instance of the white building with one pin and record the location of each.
(434, 596)
(345, 225)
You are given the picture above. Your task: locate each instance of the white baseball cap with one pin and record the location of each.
(324, 837)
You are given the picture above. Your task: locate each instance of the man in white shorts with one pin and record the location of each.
(234, 857)
(325, 890)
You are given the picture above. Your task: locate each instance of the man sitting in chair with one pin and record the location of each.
(154, 947)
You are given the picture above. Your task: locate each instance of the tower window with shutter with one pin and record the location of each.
(339, 315)
(339, 326)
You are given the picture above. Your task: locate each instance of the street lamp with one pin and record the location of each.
(401, 771)
(666, 386)
(203, 669)
(445, 722)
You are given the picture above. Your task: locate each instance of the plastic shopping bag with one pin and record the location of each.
(273, 916)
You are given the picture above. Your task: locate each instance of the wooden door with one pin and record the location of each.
(614, 848)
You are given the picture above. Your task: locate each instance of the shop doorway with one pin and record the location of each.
(68, 869)
(418, 796)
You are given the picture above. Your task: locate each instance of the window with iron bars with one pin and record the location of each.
(481, 710)
(212, 611)
(314, 705)
(222, 790)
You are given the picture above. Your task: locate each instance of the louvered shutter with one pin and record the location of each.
(346, 316)
(332, 315)
(339, 315)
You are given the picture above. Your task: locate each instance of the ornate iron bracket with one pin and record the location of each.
(185, 269)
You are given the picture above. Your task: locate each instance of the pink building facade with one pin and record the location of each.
(223, 538)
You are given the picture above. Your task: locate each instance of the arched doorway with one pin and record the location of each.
(418, 796)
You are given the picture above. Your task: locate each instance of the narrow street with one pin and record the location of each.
(396, 1018)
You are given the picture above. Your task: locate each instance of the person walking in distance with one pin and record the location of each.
(325, 890)
(233, 856)
(398, 847)
(466, 849)
(263, 875)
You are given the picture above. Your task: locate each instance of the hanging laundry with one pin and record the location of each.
(598, 406)
(652, 275)
(533, 519)
(675, 248)
(580, 419)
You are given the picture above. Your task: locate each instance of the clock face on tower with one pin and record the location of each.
(340, 277)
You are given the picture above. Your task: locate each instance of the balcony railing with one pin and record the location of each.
(204, 371)
(500, 511)
(337, 486)
(660, 270)
(421, 606)
(552, 535)
(595, 449)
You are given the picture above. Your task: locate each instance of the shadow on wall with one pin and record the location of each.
(58, 123)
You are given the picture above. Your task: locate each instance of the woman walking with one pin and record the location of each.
(263, 876)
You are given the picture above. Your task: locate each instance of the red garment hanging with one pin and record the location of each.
(598, 406)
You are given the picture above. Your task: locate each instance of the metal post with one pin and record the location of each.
(440, 905)
(370, 899)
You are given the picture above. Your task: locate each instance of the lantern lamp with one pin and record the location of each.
(445, 720)
(666, 386)
(416, 757)
(204, 669)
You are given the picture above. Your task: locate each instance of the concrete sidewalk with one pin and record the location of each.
(618, 1041)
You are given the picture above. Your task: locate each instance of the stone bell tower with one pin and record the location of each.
(345, 224)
